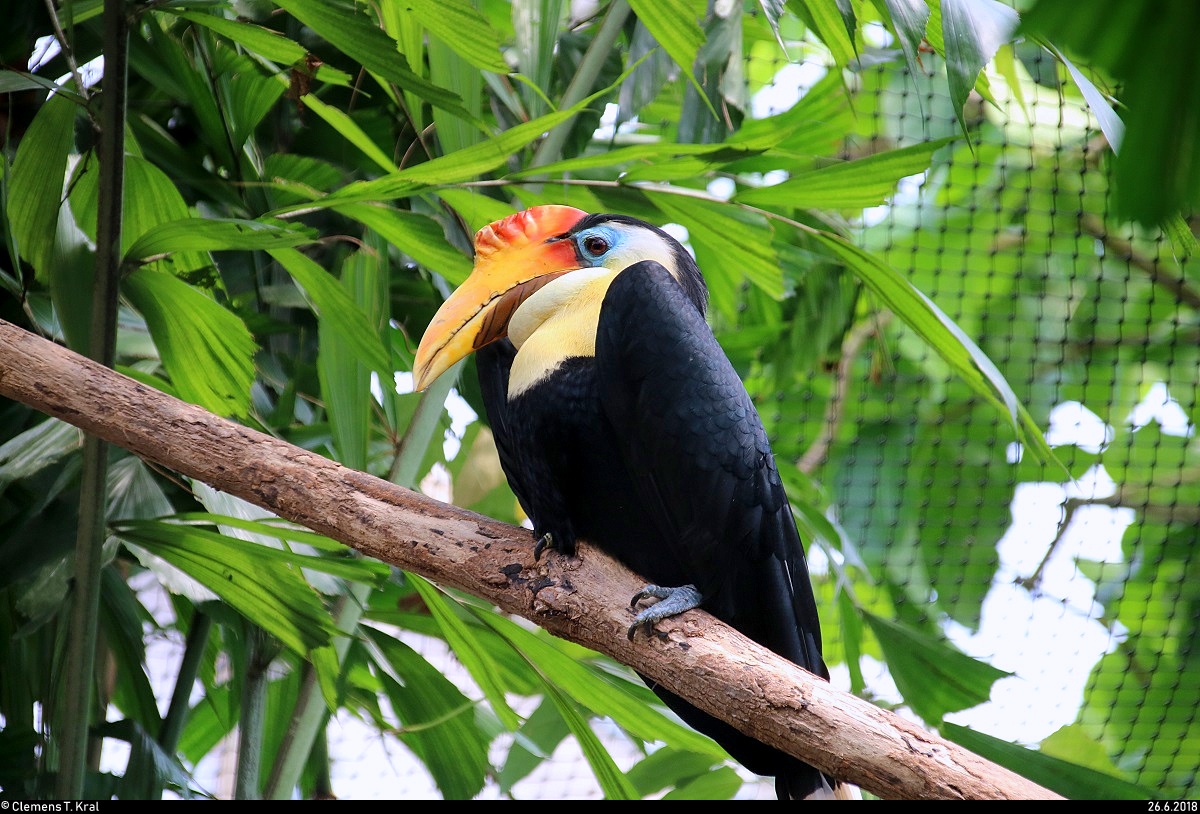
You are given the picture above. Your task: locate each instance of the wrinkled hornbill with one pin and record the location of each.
(619, 420)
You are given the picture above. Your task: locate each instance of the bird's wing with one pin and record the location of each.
(702, 462)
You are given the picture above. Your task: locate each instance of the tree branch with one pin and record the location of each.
(583, 599)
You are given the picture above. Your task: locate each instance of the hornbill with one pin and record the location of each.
(619, 420)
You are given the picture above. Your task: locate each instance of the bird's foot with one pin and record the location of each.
(671, 602)
(544, 543)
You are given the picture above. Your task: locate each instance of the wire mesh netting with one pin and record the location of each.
(1080, 585)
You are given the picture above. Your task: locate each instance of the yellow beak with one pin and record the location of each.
(514, 257)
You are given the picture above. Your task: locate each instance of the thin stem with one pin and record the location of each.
(82, 634)
(252, 722)
(68, 54)
(189, 668)
(584, 80)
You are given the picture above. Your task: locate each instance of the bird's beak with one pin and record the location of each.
(514, 257)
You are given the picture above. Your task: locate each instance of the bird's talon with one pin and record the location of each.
(544, 543)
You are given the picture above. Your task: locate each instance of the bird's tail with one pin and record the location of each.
(840, 791)
(828, 790)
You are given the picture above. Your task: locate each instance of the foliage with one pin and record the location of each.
(303, 178)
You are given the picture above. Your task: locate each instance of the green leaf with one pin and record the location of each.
(262, 584)
(149, 765)
(668, 767)
(345, 374)
(36, 181)
(651, 154)
(461, 26)
(535, 741)
(856, 184)
(585, 687)
(151, 200)
(348, 129)
(720, 783)
(456, 167)
(941, 334)
(612, 780)
(463, 642)
(337, 310)
(268, 526)
(42, 445)
(205, 348)
(262, 41)
(215, 234)
(359, 38)
(734, 246)
(675, 27)
(121, 620)
(419, 236)
(833, 22)
(909, 18)
(437, 720)
(1145, 49)
(1068, 779)
(934, 677)
(1110, 123)
(357, 569)
(972, 31)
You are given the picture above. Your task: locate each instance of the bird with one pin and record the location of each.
(619, 420)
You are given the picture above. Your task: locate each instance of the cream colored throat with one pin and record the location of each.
(557, 323)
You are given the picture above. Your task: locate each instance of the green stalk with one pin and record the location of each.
(252, 721)
(584, 80)
(76, 718)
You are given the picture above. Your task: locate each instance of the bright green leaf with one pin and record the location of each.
(461, 26)
(205, 348)
(1068, 779)
(265, 588)
(856, 184)
(934, 677)
(214, 234)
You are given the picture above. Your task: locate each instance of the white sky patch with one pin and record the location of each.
(722, 188)
(1158, 406)
(876, 35)
(1072, 423)
(789, 86)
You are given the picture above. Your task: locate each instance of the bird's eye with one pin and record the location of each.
(595, 245)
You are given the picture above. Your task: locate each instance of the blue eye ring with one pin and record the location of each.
(594, 245)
